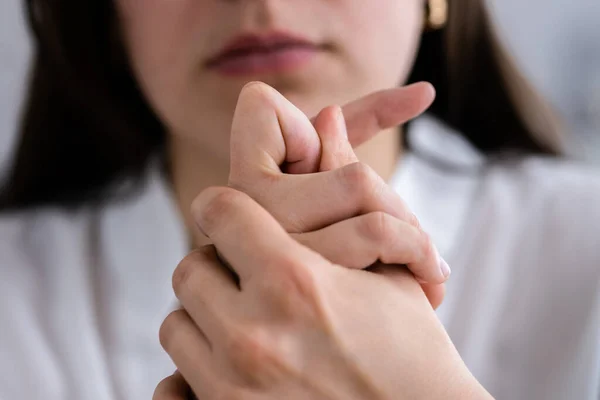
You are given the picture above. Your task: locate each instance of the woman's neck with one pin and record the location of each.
(193, 169)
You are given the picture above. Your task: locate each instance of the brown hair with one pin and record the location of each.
(86, 124)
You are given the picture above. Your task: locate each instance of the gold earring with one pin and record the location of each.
(437, 14)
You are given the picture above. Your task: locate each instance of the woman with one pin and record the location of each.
(123, 91)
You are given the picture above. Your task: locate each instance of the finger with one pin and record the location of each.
(368, 114)
(435, 294)
(386, 109)
(352, 190)
(189, 349)
(336, 150)
(365, 118)
(205, 289)
(376, 237)
(323, 199)
(403, 279)
(247, 236)
(268, 131)
(173, 387)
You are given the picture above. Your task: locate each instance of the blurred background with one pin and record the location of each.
(556, 43)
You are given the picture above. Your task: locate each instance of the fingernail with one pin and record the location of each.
(445, 268)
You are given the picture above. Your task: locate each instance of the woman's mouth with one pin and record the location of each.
(270, 53)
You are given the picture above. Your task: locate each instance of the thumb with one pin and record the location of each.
(337, 151)
(269, 132)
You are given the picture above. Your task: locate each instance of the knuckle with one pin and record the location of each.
(213, 203)
(285, 261)
(224, 199)
(414, 221)
(170, 388)
(301, 270)
(257, 89)
(256, 94)
(359, 180)
(296, 293)
(289, 265)
(247, 346)
(185, 270)
(253, 355)
(169, 328)
(378, 227)
(161, 389)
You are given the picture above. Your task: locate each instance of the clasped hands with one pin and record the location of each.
(331, 282)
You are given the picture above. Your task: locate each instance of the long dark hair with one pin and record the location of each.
(86, 124)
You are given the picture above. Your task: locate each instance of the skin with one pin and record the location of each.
(295, 324)
(270, 150)
(169, 43)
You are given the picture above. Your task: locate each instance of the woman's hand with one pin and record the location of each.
(363, 232)
(347, 213)
(298, 326)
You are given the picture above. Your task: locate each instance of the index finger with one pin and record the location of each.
(267, 131)
(386, 109)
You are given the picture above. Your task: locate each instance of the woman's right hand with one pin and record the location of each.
(346, 213)
(297, 326)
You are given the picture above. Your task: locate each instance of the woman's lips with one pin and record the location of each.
(265, 54)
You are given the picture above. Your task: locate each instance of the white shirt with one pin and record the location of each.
(82, 294)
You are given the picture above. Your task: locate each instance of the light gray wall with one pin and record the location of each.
(557, 43)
